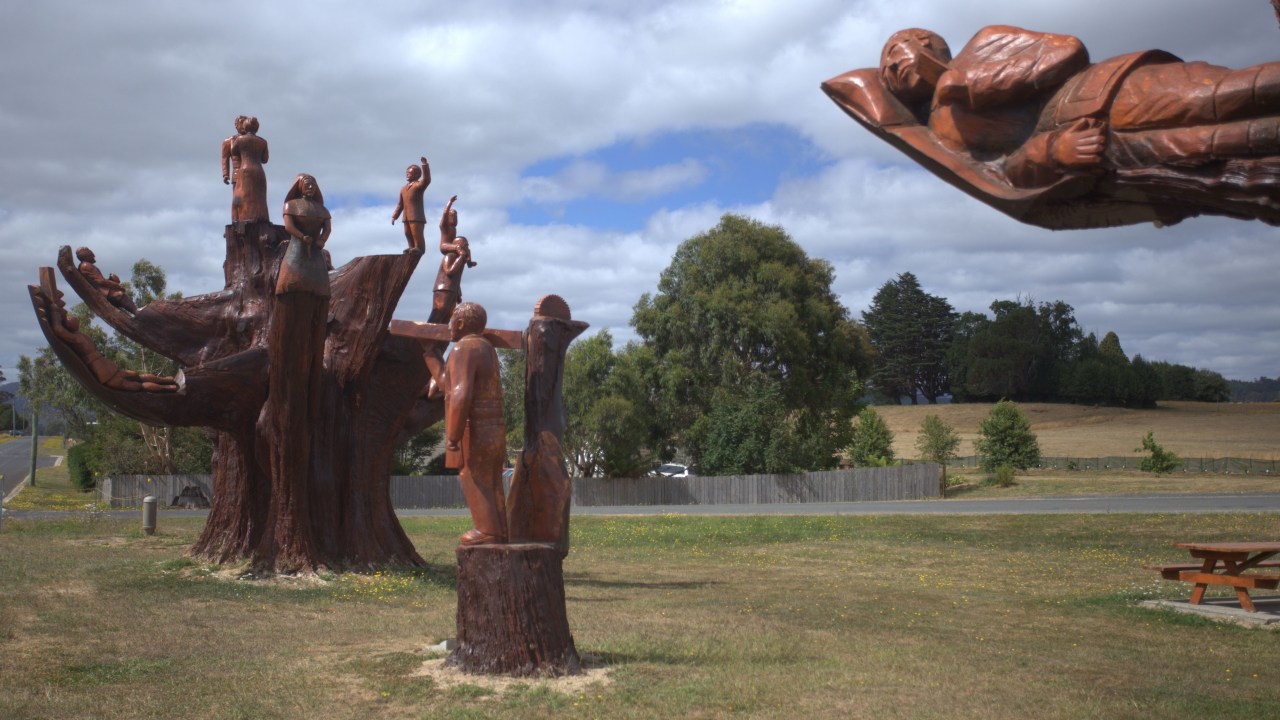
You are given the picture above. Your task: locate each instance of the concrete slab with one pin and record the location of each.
(1227, 609)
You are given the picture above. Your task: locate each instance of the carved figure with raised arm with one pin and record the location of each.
(1023, 121)
(243, 156)
(110, 286)
(475, 436)
(410, 203)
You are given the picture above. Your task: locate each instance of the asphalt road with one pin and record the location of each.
(1257, 502)
(15, 463)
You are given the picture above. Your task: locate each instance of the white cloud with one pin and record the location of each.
(113, 114)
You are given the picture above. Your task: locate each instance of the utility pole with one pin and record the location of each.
(35, 440)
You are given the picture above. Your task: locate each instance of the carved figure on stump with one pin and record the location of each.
(1022, 121)
(475, 436)
(410, 203)
(306, 265)
(109, 286)
(457, 257)
(243, 156)
(292, 369)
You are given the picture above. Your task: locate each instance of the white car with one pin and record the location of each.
(672, 470)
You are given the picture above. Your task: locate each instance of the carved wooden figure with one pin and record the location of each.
(475, 436)
(109, 286)
(243, 156)
(410, 203)
(1024, 121)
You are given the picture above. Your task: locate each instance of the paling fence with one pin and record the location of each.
(906, 482)
(1227, 465)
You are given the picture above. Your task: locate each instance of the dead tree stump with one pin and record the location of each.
(511, 612)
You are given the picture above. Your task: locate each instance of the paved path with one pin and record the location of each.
(1256, 502)
(15, 463)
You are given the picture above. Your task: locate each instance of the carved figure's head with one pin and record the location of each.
(413, 173)
(911, 63)
(84, 254)
(251, 125)
(240, 123)
(468, 319)
(304, 186)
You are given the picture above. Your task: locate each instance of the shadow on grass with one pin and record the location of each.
(585, 580)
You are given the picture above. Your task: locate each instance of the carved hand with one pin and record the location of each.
(1080, 146)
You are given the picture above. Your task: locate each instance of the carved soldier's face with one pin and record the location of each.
(912, 62)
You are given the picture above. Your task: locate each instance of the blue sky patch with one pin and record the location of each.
(739, 165)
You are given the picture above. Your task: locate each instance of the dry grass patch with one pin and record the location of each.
(1190, 429)
(769, 617)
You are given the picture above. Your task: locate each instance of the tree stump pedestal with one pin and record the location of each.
(511, 612)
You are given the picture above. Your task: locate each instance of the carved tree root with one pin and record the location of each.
(511, 612)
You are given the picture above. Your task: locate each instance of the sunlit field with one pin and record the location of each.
(857, 617)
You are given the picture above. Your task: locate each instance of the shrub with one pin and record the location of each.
(80, 461)
(1160, 461)
(1004, 476)
(872, 440)
(1005, 438)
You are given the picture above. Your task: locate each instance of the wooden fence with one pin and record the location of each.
(906, 482)
(1227, 465)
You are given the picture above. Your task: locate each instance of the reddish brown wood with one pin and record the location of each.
(511, 612)
(1022, 121)
(283, 504)
(541, 489)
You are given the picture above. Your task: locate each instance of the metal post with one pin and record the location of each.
(149, 515)
(35, 440)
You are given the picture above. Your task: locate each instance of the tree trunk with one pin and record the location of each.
(511, 612)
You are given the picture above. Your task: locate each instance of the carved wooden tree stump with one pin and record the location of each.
(511, 612)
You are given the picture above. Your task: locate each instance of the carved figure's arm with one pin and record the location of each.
(399, 208)
(1004, 64)
(226, 161)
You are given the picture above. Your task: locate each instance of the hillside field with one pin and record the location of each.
(1190, 429)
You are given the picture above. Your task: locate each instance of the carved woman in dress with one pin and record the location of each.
(246, 153)
(305, 267)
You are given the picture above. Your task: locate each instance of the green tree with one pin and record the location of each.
(910, 331)
(742, 307)
(937, 442)
(1159, 461)
(872, 439)
(1023, 352)
(611, 430)
(1005, 438)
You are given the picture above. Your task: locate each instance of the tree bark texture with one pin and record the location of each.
(511, 612)
(307, 398)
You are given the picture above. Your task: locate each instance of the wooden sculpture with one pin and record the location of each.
(308, 385)
(1024, 121)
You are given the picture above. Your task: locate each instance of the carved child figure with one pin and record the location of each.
(475, 435)
(109, 286)
(457, 257)
(410, 203)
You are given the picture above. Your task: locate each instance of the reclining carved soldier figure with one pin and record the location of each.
(1022, 121)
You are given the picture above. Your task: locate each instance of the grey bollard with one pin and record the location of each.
(149, 515)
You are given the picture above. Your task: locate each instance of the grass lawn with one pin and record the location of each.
(812, 617)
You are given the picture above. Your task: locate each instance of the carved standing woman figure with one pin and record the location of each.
(246, 153)
(304, 268)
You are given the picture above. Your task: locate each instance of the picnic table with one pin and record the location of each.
(1226, 563)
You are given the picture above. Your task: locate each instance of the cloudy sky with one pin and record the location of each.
(585, 141)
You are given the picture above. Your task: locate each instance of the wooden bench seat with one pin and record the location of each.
(1174, 572)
